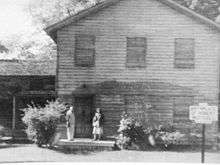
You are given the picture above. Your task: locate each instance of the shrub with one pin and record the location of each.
(42, 122)
(131, 132)
(165, 139)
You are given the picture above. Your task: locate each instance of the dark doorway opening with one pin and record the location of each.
(84, 110)
(5, 116)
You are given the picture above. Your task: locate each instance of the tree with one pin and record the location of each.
(47, 12)
(207, 8)
(3, 49)
(34, 51)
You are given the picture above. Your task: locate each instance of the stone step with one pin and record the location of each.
(87, 144)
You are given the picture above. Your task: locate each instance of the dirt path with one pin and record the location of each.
(31, 153)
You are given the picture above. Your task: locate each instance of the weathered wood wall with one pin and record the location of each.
(24, 88)
(161, 25)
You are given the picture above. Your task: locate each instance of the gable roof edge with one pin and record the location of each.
(51, 30)
(190, 13)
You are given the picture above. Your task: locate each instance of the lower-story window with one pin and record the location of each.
(135, 106)
(181, 108)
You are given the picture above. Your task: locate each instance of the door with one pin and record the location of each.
(83, 113)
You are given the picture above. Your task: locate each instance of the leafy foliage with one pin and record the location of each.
(42, 122)
(3, 49)
(207, 8)
(130, 131)
(50, 11)
(162, 136)
(34, 52)
(167, 135)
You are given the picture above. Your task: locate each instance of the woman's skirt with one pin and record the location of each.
(97, 130)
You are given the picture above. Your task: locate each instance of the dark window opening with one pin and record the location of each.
(85, 50)
(36, 85)
(181, 106)
(184, 53)
(136, 52)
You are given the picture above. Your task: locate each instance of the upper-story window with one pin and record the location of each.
(184, 53)
(85, 50)
(136, 52)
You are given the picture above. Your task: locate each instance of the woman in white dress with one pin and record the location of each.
(97, 125)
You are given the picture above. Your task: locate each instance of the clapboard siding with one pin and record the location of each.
(160, 25)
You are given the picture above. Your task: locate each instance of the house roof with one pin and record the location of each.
(26, 68)
(51, 30)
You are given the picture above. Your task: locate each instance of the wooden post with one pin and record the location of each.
(13, 115)
(203, 143)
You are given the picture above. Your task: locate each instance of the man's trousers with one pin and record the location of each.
(70, 132)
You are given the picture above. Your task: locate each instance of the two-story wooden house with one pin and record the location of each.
(151, 58)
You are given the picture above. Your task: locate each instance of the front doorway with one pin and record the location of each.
(83, 113)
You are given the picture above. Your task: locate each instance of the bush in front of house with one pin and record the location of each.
(133, 134)
(167, 135)
(41, 122)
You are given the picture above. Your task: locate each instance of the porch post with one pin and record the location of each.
(13, 115)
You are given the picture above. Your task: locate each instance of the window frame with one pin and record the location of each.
(176, 114)
(187, 62)
(135, 48)
(80, 48)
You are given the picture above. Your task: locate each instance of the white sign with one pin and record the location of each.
(203, 114)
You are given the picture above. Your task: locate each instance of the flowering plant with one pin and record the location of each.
(130, 132)
(41, 122)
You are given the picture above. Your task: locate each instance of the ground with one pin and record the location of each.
(31, 153)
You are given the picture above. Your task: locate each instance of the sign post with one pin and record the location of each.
(203, 143)
(203, 114)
